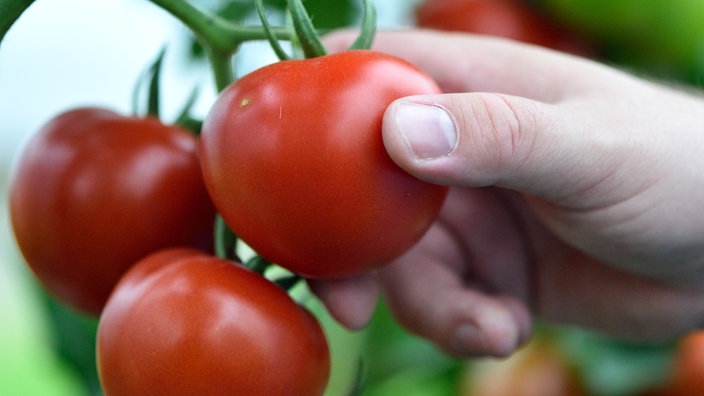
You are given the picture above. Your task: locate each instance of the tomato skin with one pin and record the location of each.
(184, 323)
(94, 191)
(510, 19)
(538, 369)
(293, 157)
(687, 376)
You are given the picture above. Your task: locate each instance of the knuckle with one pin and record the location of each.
(500, 137)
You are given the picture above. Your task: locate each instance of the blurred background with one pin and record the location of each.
(68, 53)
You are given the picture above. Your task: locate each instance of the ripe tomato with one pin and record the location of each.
(538, 369)
(185, 323)
(688, 368)
(511, 19)
(294, 159)
(94, 191)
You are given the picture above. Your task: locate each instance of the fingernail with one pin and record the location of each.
(428, 129)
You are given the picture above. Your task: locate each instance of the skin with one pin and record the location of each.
(576, 197)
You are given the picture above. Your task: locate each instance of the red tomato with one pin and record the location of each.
(184, 323)
(94, 192)
(511, 19)
(688, 369)
(294, 159)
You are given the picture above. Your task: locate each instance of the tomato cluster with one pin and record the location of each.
(115, 216)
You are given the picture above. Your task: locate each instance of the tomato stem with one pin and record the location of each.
(307, 35)
(273, 41)
(219, 37)
(225, 240)
(368, 30)
(288, 282)
(258, 264)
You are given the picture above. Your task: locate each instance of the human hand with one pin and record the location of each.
(578, 196)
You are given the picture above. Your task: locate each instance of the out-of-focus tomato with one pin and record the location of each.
(687, 376)
(294, 159)
(94, 191)
(536, 370)
(511, 19)
(185, 323)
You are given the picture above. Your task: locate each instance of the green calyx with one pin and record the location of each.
(151, 77)
(219, 37)
(306, 34)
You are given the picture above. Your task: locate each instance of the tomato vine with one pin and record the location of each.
(220, 38)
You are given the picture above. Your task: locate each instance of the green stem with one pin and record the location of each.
(225, 240)
(258, 264)
(307, 35)
(288, 282)
(10, 10)
(275, 45)
(220, 38)
(221, 65)
(368, 30)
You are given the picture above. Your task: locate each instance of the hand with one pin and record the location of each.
(577, 196)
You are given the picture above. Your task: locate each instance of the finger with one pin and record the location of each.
(471, 63)
(429, 298)
(350, 301)
(489, 225)
(486, 139)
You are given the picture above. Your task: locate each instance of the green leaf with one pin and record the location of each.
(10, 11)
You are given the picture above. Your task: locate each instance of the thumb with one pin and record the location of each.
(485, 139)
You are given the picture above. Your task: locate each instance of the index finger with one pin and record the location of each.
(471, 63)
